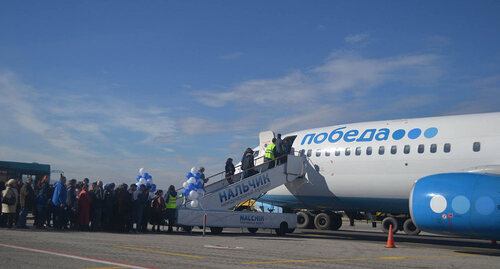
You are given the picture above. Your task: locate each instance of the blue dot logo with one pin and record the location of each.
(398, 134)
(460, 204)
(431, 132)
(414, 133)
(485, 205)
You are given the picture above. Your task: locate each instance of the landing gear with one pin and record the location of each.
(304, 220)
(409, 227)
(387, 222)
(322, 221)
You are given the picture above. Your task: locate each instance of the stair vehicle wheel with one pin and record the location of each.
(252, 230)
(282, 229)
(322, 221)
(336, 221)
(410, 228)
(290, 231)
(387, 222)
(303, 220)
(216, 230)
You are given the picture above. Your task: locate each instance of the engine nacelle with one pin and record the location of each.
(465, 204)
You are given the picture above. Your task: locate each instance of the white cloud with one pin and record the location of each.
(343, 72)
(356, 38)
(168, 150)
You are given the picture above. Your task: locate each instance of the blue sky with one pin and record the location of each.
(101, 88)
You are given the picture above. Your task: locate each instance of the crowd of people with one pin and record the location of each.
(95, 207)
(86, 206)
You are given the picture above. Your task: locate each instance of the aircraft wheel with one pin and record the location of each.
(252, 230)
(322, 221)
(386, 222)
(410, 228)
(303, 220)
(216, 230)
(290, 231)
(336, 221)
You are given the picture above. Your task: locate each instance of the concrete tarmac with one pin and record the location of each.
(351, 247)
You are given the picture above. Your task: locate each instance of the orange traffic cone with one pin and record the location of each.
(390, 239)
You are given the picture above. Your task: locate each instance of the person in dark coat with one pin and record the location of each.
(84, 204)
(71, 202)
(141, 199)
(26, 199)
(229, 170)
(247, 163)
(109, 201)
(157, 210)
(97, 206)
(123, 208)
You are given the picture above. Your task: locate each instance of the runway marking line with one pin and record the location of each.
(78, 257)
(360, 259)
(161, 252)
(113, 267)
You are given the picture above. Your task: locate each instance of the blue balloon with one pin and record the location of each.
(191, 186)
(189, 175)
(145, 175)
(199, 184)
(197, 175)
(148, 184)
(185, 192)
(138, 178)
(149, 177)
(153, 187)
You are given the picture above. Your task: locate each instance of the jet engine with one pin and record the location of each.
(465, 204)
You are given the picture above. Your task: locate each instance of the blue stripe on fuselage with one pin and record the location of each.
(338, 203)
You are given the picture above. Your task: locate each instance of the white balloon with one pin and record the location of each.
(200, 192)
(194, 203)
(191, 180)
(193, 170)
(141, 171)
(142, 181)
(185, 185)
(193, 195)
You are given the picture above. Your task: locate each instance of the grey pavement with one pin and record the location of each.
(353, 247)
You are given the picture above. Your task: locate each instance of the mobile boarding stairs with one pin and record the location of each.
(214, 206)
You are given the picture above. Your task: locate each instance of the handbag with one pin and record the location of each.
(8, 201)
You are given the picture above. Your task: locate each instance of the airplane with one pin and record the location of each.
(437, 174)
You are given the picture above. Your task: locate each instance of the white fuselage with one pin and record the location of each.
(382, 182)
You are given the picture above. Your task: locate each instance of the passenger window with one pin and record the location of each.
(347, 151)
(358, 151)
(433, 148)
(369, 151)
(381, 150)
(447, 147)
(255, 154)
(301, 152)
(421, 148)
(394, 149)
(327, 153)
(318, 153)
(406, 149)
(476, 146)
(337, 152)
(309, 152)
